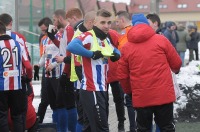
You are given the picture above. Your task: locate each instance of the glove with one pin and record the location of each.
(115, 57)
(96, 55)
(67, 60)
(36, 68)
(25, 79)
(52, 34)
(63, 79)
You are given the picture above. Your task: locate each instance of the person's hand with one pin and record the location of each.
(115, 57)
(25, 79)
(49, 68)
(96, 55)
(52, 34)
(36, 67)
(63, 79)
(59, 59)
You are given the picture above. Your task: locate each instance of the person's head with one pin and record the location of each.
(170, 25)
(7, 20)
(139, 19)
(123, 19)
(44, 24)
(59, 19)
(73, 16)
(154, 21)
(2, 28)
(89, 19)
(103, 20)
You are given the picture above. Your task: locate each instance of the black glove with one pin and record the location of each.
(52, 34)
(63, 79)
(36, 68)
(96, 55)
(67, 60)
(25, 79)
(115, 57)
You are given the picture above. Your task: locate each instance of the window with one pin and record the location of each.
(162, 6)
(182, 6)
(143, 6)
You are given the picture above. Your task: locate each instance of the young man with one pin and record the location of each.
(43, 24)
(74, 17)
(12, 95)
(94, 48)
(76, 68)
(123, 22)
(66, 87)
(145, 72)
(154, 22)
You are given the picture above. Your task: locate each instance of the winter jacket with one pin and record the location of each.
(169, 36)
(181, 46)
(193, 43)
(145, 67)
(112, 74)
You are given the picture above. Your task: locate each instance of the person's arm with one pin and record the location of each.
(42, 61)
(76, 47)
(172, 56)
(123, 73)
(26, 63)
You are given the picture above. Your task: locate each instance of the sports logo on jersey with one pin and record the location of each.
(10, 73)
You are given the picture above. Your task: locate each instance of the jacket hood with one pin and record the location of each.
(140, 33)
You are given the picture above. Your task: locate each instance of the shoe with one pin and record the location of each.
(35, 126)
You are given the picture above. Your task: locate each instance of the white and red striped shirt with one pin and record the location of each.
(11, 59)
(94, 71)
(50, 51)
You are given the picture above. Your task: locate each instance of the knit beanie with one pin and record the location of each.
(139, 19)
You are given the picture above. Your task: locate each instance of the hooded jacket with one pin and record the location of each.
(184, 37)
(145, 67)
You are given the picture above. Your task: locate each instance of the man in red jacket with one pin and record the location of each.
(145, 72)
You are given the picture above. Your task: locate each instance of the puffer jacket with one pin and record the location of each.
(145, 67)
(112, 71)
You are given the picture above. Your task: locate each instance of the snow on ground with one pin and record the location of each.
(188, 76)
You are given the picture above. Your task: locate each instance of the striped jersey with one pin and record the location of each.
(11, 64)
(50, 51)
(94, 71)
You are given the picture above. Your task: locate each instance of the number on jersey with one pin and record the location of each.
(6, 51)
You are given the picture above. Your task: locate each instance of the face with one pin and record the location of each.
(103, 23)
(173, 27)
(43, 29)
(57, 21)
(119, 22)
(154, 25)
(72, 21)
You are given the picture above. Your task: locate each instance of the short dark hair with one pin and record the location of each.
(46, 21)
(124, 14)
(6, 19)
(2, 28)
(103, 13)
(60, 12)
(154, 18)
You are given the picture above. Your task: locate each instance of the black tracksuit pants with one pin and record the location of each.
(44, 100)
(163, 118)
(94, 111)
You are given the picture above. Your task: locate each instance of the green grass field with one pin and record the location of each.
(188, 127)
